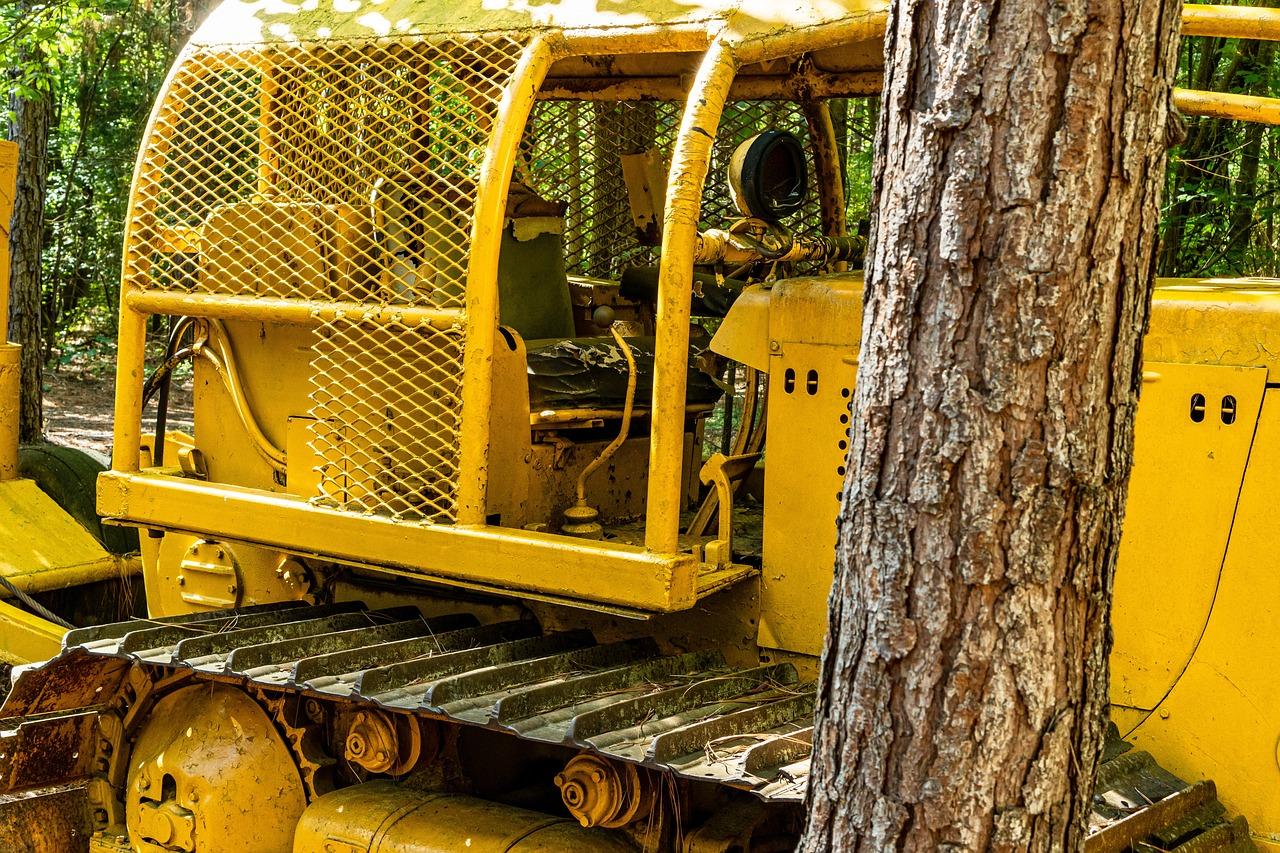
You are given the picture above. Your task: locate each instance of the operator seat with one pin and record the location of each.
(565, 371)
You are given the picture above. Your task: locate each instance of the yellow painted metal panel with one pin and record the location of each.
(744, 334)
(1222, 720)
(41, 547)
(800, 533)
(1216, 321)
(26, 638)
(272, 364)
(302, 476)
(813, 331)
(1182, 496)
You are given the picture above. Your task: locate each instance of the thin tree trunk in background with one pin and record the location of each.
(1021, 156)
(30, 129)
(1202, 68)
(1243, 201)
(1244, 195)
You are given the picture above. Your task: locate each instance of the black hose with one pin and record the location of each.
(165, 374)
(35, 606)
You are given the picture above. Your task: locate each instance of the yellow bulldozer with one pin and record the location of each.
(522, 339)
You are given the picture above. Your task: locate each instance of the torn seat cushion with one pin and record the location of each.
(591, 373)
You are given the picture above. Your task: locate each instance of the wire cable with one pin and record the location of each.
(34, 606)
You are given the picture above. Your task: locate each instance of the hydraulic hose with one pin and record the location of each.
(223, 361)
(627, 407)
(164, 374)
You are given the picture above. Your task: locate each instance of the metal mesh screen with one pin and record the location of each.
(335, 172)
(572, 151)
(386, 407)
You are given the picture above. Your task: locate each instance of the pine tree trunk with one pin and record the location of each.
(1021, 155)
(30, 129)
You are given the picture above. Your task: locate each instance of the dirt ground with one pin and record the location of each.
(77, 409)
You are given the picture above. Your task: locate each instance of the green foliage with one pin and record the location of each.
(1221, 191)
(101, 62)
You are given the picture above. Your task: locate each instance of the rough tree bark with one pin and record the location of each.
(30, 129)
(1021, 154)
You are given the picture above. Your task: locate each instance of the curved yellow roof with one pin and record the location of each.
(239, 23)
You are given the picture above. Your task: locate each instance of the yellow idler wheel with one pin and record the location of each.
(600, 792)
(210, 774)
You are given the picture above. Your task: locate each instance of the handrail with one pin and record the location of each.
(1240, 22)
(510, 117)
(1227, 105)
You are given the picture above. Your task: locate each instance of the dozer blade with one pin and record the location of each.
(689, 714)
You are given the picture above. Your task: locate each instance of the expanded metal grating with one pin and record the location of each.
(573, 153)
(386, 400)
(335, 173)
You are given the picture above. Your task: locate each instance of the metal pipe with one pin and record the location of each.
(1243, 22)
(689, 163)
(623, 430)
(1227, 105)
(716, 245)
(223, 362)
(295, 312)
(828, 163)
(131, 360)
(769, 43)
(771, 87)
(684, 37)
(482, 276)
(610, 571)
(166, 381)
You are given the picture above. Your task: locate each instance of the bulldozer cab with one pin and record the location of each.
(401, 238)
